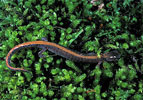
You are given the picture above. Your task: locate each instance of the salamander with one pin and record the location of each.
(61, 51)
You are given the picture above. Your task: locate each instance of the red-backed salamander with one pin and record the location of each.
(61, 51)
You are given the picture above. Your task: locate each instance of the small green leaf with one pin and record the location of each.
(125, 46)
(43, 1)
(111, 46)
(69, 30)
(108, 73)
(28, 4)
(46, 22)
(124, 85)
(50, 2)
(79, 90)
(104, 94)
(75, 36)
(55, 71)
(80, 78)
(76, 22)
(38, 7)
(72, 65)
(50, 93)
(38, 68)
(25, 63)
(25, 12)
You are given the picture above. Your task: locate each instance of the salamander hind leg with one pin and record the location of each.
(40, 54)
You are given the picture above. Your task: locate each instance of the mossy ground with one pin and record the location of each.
(80, 25)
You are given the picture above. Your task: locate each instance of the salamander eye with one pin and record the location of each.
(113, 57)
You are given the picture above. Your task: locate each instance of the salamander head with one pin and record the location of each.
(112, 56)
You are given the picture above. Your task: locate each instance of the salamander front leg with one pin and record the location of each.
(40, 53)
(44, 39)
(99, 63)
(43, 48)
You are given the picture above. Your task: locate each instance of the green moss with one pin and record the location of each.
(78, 25)
(80, 78)
(73, 66)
